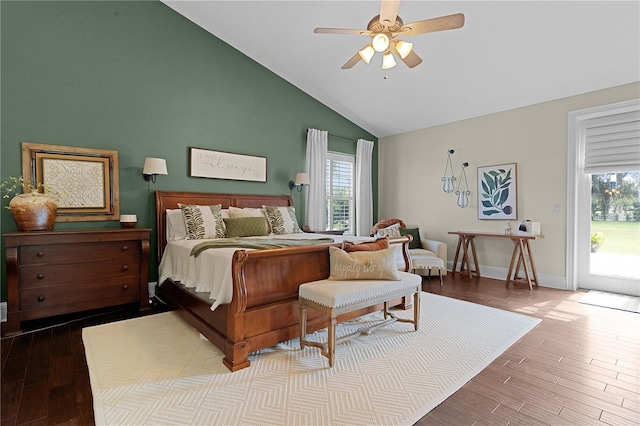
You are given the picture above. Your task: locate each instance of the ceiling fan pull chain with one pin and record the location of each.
(448, 177)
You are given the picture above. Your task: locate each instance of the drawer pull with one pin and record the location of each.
(40, 298)
(40, 276)
(125, 247)
(125, 267)
(40, 254)
(125, 286)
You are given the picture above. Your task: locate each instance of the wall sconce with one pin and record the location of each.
(463, 192)
(153, 167)
(448, 177)
(301, 180)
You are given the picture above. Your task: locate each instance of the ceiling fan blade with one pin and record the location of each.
(351, 62)
(389, 12)
(347, 31)
(449, 22)
(412, 60)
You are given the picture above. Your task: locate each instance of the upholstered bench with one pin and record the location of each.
(336, 297)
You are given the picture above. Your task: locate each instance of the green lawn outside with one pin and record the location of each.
(620, 237)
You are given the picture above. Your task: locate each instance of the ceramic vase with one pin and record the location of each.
(33, 211)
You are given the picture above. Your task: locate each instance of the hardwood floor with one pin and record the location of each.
(580, 366)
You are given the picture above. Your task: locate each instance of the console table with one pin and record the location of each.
(521, 250)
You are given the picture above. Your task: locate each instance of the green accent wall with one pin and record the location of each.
(138, 78)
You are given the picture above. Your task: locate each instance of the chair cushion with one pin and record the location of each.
(417, 253)
(333, 294)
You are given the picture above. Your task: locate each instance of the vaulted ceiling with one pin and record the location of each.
(509, 54)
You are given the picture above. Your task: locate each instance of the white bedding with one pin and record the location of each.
(210, 272)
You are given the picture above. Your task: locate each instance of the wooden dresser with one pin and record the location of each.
(60, 272)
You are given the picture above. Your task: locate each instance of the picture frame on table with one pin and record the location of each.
(498, 192)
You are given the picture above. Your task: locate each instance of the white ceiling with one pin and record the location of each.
(508, 54)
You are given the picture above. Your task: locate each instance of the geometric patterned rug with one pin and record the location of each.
(158, 370)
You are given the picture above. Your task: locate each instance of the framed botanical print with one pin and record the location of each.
(498, 192)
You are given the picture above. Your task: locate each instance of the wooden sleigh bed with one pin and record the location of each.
(264, 307)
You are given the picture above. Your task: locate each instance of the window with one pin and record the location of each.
(340, 191)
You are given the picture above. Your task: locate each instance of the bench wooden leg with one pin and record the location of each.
(303, 325)
(416, 310)
(331, 343)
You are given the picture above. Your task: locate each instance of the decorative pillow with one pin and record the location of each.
(203, 222)
(415, 233)
(282, 220)
(246, 227)
(236, 212)
(176, 228)
(362, 265)
(392, 231)
(378, 244)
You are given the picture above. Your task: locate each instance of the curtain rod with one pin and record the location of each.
(343, 138)
(340, 137)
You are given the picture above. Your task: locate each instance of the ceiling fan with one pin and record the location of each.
(384, 30)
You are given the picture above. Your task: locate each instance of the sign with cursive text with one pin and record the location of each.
(226, 165)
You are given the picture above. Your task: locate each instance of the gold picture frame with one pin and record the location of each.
(84, 181)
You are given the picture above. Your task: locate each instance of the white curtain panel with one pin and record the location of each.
(316, 168)
(364, 188)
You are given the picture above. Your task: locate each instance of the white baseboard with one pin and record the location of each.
(546, 280)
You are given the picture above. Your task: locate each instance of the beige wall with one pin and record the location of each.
(411, 166)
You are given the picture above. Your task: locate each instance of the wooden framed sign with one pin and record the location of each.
(226, 165)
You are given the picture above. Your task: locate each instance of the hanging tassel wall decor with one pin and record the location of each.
(463, 191)
(448, 177)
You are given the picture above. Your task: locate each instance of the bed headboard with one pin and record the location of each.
(170, 200)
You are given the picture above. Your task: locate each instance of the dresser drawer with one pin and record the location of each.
(61, 297)
(64, 273)
(51, 253)
(51, 273)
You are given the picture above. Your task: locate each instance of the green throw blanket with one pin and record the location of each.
(256, 243)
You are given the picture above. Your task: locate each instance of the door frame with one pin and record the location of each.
(578, 182)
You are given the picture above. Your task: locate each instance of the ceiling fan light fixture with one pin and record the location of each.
(404, 48)
(387, 61)
(380, 42)
(367, 53)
